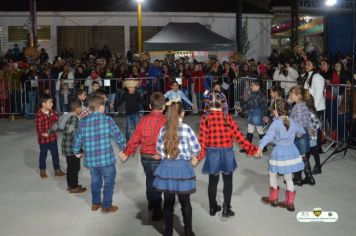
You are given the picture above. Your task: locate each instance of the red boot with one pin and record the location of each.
(272, 197)
(285, 203)
(288, 202)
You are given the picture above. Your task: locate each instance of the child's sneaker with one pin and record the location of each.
(43, 174)
(110, 209)
(59, 173)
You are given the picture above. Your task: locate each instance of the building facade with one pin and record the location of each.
(118, 30)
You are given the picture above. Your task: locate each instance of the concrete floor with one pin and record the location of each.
(32, 206)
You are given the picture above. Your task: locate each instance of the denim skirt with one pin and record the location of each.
(255, 117)
(219, 160)
(175, 176)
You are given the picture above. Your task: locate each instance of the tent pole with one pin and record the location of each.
(238, 25)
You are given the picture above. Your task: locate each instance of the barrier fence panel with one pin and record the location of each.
(10, 98)
(337, 117)
(14, 98)
(236, 90)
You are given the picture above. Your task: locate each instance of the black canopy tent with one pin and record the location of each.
(188, 37)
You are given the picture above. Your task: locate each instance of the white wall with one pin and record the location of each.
(259, 25)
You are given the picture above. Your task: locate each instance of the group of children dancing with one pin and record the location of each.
(170, 149)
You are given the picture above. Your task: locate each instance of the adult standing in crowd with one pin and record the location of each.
(288, 76)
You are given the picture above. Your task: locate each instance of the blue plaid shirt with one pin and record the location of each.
(94, 135)
(188, 143)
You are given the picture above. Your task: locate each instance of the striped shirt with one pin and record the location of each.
(93, 135)
(188, 143)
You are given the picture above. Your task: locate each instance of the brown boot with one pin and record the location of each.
(68, 188)
(59, 173)
(43, 174)
(95, 207)
(78, 190)
(110, 209)
(272, 197)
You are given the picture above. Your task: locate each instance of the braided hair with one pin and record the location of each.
(281, 107)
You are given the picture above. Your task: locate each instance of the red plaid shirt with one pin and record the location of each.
(215, 133)
(43, 123)
(146, 134)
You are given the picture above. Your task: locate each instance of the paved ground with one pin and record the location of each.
(32, 206)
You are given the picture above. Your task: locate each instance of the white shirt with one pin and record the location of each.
(316, 90)
(291, 78)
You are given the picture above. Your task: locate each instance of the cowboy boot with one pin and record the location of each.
(309, 179)
(285, 203)
(317, 167)
(291, 197)
(272, 197)
(249, 138)
(297, 180)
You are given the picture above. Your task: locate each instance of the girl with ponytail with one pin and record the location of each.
(301, 115)
(178, 147)
(285, 158)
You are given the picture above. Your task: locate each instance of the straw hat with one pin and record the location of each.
(131, 83)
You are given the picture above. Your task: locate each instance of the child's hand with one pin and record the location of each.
(46, 135)
(258, 154)
(195, 161)
(123, 156)
(156, 157)
(79, 155)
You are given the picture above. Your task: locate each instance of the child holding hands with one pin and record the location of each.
(178, 148)
(285, 158)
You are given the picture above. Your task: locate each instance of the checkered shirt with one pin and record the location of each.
(215, 132)
(188, 143)
(93, 136)
(68, 135)
(146, 134)
(84, 113)
(44, 123)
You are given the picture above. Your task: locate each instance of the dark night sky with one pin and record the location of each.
(249, 6)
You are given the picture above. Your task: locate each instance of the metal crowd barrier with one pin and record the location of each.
(25, 101)
(337, 117)
(10, 98)
(17, 99)
(235, 90)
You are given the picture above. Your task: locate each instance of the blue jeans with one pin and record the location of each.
(31, 103)
(186, 92)
(131, 122)
(98, 174)
(54, 152)
(111, 100)
(149, 164)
